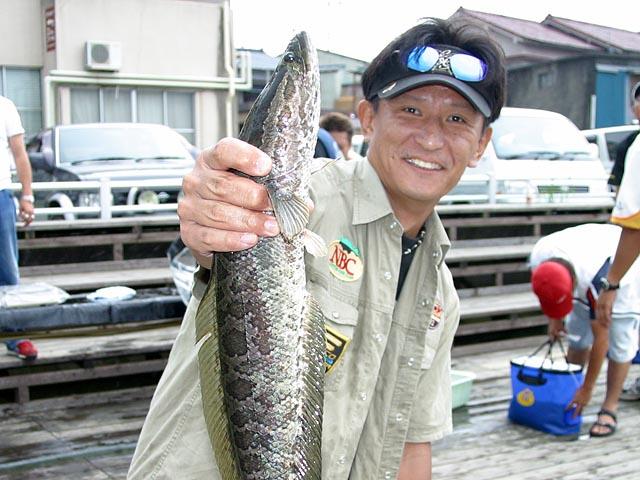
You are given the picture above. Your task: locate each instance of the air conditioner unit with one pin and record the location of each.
(103, 56)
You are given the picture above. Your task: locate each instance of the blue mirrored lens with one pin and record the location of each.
(422, 59)
(467, 68)
(460, 65)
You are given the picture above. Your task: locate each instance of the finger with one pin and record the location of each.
(223, 216)
(27, 217)
(227, 187)
(233, 153)
(207, 240)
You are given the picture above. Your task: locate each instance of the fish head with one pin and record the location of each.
(283, 121)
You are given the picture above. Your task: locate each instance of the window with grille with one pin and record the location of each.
(22, 87)
(173, 108)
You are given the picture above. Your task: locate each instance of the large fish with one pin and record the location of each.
(262, 354)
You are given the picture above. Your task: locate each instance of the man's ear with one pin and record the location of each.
(482, 145)
(365, 114)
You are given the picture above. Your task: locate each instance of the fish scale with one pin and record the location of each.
(260, 334)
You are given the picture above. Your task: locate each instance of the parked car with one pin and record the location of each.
(118, 151)
(607, 139)
(534, 156)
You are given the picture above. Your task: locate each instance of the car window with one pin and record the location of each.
(539, 137)
(34, 144)
(113, 143)
(613, 140)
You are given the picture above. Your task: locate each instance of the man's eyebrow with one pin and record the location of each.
(458, 103)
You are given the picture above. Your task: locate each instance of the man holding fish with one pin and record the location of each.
(387, 299)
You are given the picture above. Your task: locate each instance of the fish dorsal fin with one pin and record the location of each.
(292, 213)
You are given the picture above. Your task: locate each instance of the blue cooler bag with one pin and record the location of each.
(542, 390)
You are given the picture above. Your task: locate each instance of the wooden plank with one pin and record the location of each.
(92, 240)
(170, 220)
(77, 374)
(85, 281)
(484, 444)
(490, 252)
(488, 305)
(494, 268)
(468, 353)
(522, 208)
(500, 325)
(92, 345)
(600, 217)
(88, 267)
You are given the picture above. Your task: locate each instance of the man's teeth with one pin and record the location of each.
(425, 165)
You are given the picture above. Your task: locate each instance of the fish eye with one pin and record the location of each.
(289, 57)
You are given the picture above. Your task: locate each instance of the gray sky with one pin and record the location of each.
(362, 28)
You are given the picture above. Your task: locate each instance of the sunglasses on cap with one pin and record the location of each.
(432, 59)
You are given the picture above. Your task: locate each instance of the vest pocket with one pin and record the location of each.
(341, 320)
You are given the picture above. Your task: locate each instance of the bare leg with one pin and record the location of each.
(616, 374)
(579, 357)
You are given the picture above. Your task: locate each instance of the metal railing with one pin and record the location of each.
(104, 188)
(486, 189)
(105, 209)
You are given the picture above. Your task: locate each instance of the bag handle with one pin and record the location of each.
(537, 380)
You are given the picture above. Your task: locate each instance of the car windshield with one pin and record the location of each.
(78, 145)
(552, 138)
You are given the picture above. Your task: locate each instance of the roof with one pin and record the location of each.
(529, 30)
(260, 60)
(608, 37)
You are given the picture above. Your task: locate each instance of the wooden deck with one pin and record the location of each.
(92, 436)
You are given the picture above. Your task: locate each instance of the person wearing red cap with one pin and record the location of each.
(569, 272)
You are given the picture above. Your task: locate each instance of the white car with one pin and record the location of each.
(607, 139)
(535, 156)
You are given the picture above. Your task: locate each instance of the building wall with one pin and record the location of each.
(159, 37)
(564, 87)
(569, 87)
(340, 81)
(21, 27)
(169, 45)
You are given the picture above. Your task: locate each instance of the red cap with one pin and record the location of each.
(552, 283)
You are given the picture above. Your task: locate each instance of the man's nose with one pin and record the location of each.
(431, 136)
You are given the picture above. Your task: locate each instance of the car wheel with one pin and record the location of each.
(59, 216)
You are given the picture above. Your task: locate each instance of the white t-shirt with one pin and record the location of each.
(587, 247)
(626, 212)
(10, 125)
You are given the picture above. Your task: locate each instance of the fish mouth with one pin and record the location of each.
(423, 164)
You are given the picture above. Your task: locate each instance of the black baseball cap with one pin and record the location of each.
(396, 76)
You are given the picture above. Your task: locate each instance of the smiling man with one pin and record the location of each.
(389, 301)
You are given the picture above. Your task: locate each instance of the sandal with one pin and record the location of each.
(610, 427)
